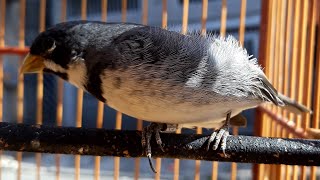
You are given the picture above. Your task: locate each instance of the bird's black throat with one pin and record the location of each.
(60, 74)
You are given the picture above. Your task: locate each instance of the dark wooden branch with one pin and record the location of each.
(22, 137)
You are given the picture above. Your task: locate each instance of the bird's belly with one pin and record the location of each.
(173, 105)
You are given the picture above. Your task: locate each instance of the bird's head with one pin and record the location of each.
(59, 52)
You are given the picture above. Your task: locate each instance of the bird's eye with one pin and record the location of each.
(49, 45)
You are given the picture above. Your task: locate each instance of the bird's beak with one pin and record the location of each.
(32, 64)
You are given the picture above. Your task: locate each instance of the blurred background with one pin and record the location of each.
(289, 35)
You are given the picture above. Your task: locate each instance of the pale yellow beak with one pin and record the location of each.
(32, 64)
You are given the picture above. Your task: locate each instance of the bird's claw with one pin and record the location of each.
(147, 132)
(217, 137)
(220, 135)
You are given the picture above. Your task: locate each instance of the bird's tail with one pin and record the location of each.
(293, 106)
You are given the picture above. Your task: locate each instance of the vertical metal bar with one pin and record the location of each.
(302, 49)
(63, 10)
(100, 109)
(185, 16)
(301, 70)
(20, 87)
(83, 9)
(144, 21)
(278, 76)
(99, 125)
(241, 40)
(269, 71)
(60, 93)
(117, 159)
(139, 121)
(204, 17)
(124, 5)
(144, 12)
(258, 169)
(176, 166)
(198, 162)
(2, 44)
(137, 160)
(316, 105)
(119, 115)
(164, 14)
(242, 25)
(294, 64)
(288, 47)
(224, 10)
(77, 158)
(293, 67)
(104, 9)
(274, 75)
(223, 23)
(309, 77)
(42, 22)
(2, 28)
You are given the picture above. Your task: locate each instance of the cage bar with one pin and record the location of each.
(2, 44)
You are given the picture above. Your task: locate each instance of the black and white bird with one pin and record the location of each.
(161, 76)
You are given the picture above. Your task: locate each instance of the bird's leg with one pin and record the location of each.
(147, 132)
(220, 135)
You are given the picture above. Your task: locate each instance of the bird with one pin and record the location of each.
(162, 76)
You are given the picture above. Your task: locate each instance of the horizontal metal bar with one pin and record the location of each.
(286, 123)
(69, 140)
(14, 50)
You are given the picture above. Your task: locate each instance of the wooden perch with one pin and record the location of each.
(101, 142)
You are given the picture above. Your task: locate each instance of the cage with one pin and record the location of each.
(284, 35)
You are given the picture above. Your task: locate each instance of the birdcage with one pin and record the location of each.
(283, 35)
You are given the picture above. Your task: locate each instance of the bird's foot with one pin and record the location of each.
(220, 135)
(154, 128)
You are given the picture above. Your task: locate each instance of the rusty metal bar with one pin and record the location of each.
(85, 141)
